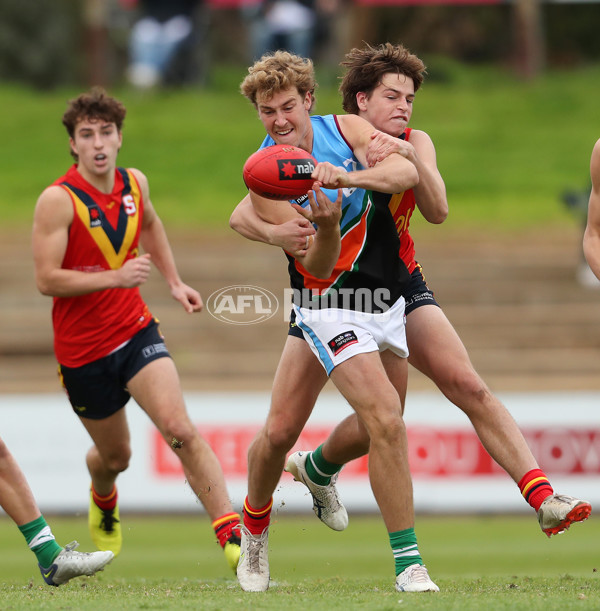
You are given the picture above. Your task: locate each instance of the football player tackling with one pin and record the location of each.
(380, 85)
(358, 339)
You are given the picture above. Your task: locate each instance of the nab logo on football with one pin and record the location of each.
(295, 169)
(242, 305)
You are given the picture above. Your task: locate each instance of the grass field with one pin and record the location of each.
(173, 562)
(507, 149)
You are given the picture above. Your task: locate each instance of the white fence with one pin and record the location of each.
(451, 471)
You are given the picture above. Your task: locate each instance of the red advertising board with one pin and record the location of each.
(433, 453)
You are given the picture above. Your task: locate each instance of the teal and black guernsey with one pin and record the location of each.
(369, 275)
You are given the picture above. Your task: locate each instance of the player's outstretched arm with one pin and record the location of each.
(591, 237)
(292, 235)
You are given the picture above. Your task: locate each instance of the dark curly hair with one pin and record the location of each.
(366, 67)
(96, 104)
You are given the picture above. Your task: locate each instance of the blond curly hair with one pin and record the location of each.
(279, 71)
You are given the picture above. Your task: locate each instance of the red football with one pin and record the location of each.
(280, 172)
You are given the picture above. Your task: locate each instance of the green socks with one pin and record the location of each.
(404, 547)
(41, 541)
(318, 469)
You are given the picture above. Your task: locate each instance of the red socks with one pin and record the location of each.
(106, 503)
(256, 520)
(535, 487)
(224, 527)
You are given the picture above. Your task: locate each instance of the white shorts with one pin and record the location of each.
(336, 334)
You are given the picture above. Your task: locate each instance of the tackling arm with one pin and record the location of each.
(322, 255)
(394, 174)
(430, 193)
(291, 235)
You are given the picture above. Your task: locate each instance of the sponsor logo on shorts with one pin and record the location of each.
(417, 298)
(242, 305)
(153, 349)
(341, 341)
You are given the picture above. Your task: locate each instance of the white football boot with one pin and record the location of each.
(415, 578)
(69, 564)
(253, 566)
(326, 501)
(559, 511)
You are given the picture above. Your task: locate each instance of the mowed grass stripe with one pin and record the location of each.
(498, 562)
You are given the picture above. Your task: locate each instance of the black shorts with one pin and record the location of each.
(417, 295)
(98, 389)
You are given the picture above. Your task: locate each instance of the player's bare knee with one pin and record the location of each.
(384, 425)
(281, 437)
(179, 434)
(468, 391)
(118, 462)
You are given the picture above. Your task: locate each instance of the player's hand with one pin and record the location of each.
(383, 145)
(188, 297)
(323, 212)
(294, 236)
(330, 176)
(134, 272)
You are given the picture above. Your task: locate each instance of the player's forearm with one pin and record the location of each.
(250, 226)
(392, 175)
(322, 256)
(74, 283)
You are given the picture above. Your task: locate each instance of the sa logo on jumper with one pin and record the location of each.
(295, 169)
(242, 305)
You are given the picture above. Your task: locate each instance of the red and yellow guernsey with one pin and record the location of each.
(104, 234)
